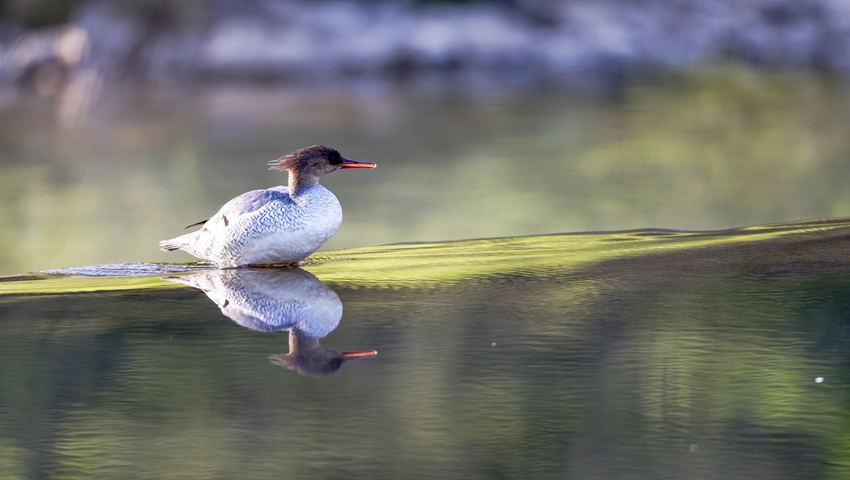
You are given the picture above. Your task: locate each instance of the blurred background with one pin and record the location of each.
(122, 121)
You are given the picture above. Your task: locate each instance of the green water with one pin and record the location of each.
(643, 354)
(102, 178)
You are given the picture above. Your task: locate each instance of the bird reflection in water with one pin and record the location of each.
(274, 299)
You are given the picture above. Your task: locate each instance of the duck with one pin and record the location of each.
(280, 299)
(278, 226)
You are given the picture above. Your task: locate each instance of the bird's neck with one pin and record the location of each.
(297, 183)
(300, 344)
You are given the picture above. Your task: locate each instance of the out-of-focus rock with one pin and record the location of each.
(330, 40)
(43, 60)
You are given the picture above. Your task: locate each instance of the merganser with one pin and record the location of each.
(274, 299)
(278, 225)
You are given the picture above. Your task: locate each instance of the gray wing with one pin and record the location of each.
(246, 204)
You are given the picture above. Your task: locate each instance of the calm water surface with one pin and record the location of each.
(646, 354)
(91, 177)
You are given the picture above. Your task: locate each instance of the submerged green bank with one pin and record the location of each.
(429, 265)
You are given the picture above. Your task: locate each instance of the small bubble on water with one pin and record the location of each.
(493, 344)
(818, 379)
(693, 447)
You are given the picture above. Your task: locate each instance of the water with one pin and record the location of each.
(643, 354)
(100, 177)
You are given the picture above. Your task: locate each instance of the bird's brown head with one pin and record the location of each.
(315, 161)
(307, 165)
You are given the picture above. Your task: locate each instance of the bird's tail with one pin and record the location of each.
(183, 242)
(191, 243)
(169, 245)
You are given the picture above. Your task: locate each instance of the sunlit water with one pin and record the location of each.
(92, 177)
(645, 354)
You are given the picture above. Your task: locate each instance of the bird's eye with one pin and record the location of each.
(335, 158)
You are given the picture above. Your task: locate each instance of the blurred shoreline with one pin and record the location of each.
(520, 42)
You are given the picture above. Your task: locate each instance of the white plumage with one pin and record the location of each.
(279, 225)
